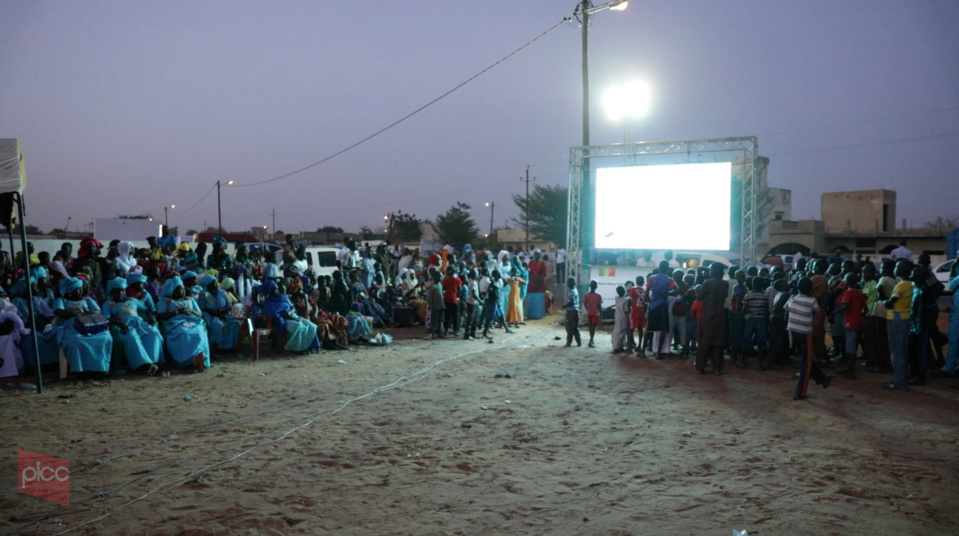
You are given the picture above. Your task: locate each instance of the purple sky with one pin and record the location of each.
(123, 107)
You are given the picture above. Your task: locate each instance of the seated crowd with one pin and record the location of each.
(170, 305)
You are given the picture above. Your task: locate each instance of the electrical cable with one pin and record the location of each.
(929, 137)
(399, 382)
(861, 122)
(210, 191)
(404, 118)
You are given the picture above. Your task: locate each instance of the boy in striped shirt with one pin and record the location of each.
(799, 310)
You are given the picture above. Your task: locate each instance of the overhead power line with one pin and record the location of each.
(405, 117)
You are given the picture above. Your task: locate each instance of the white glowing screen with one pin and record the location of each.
(679, 207)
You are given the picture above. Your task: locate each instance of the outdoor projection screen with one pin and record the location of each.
(678, 206)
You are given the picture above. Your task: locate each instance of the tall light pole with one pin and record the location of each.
(584, 9)
(526, 208)
(492, 207)
(166, 219)
(219, 213)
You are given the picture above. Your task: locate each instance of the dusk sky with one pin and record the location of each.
(124, 107)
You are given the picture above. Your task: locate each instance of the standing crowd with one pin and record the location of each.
(884, 317)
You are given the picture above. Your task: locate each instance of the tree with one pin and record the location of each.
(330, 230)
(33, 230)
(947, 222)
(366, 233)
(456, 226)
(403, 228)
(547, 212)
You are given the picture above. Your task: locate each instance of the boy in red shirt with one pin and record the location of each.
(852, 304)
(594, 304)
(637, 315)
(451, 289)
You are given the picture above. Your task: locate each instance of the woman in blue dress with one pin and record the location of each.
(183, 327)
(142, 343)
(302, 332)
(82, 334)
(136, 290)
(215, 304)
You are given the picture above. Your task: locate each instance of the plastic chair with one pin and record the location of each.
(244, 316)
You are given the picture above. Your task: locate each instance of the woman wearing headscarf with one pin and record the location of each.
(224, 330)
(514, 310)
(302, 333)
(183, 328)
(82, 334)
(88, 259)
(536, 292)
(228, 285)
(219, 259)
(43, 300)
(125, 259)
(142, 343)
(11, 332)
(136, 290)
(190, 286)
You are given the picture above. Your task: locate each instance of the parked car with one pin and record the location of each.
(942, 272)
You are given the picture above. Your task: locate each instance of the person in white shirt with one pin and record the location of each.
(560, 266)
(902, 253)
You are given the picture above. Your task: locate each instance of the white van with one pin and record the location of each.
(322, 259)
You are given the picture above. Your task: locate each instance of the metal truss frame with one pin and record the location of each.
(580, 193)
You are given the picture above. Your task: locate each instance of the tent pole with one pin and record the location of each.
(18, 199)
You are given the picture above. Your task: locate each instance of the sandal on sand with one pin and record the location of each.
(198, 363)
(152, 370)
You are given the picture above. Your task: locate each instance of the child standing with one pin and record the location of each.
(778, 336)
(437, 307)
(621, 317)
(594, 306)
(851, 305)
(451, 289)
(800, 310)
(637, 315)
(572, 313)
(755, 314)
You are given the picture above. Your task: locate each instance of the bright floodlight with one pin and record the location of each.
(630, 100)
(618, 7)
(229, 182)
(172, 206)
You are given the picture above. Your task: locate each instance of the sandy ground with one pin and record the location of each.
(521, 436)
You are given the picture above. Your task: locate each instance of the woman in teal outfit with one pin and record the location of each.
(215, 304)
(183, 326)
(82, 332)
(142, 343)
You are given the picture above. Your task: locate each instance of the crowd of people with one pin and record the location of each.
(173, 305)
(781, 319)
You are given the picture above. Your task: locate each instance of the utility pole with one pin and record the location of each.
(526, 207)
(273, 213)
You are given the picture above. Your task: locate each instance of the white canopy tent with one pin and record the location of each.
(13, 181)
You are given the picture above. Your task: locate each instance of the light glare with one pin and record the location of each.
(628, 101)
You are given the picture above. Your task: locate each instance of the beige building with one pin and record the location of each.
(857, 222)
(863, 211)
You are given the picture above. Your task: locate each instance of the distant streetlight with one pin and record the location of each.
(166, 219)
(219, 214)
(492, 207)
(629, 101)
